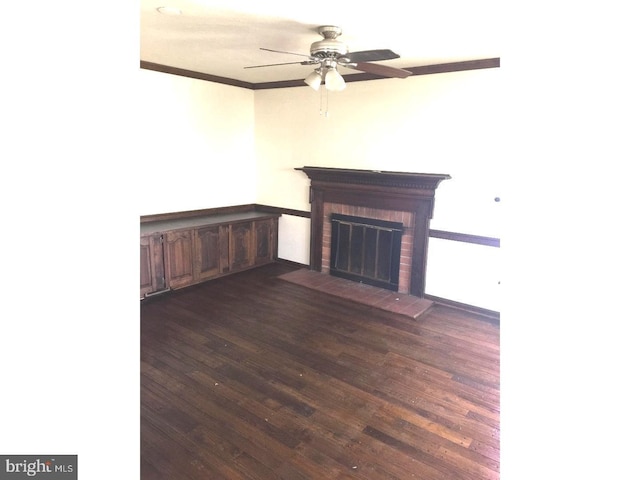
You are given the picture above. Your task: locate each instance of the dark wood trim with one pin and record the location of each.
(317, 219)
(197, 75)
(423, 183)
(443, 234)
(198, 213)
(249, 207)
(422, 215)
(280, 84)
(354, 77)
(489, 315)
(416, 71)
(257, 207)
(465, 237)
(283, 211)
(291, 263)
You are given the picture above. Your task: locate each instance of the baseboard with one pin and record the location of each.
(490, 315)
(292, 263)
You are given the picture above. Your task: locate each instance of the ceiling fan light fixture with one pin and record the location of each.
(314, 79)
(330, 53)
(333, 80)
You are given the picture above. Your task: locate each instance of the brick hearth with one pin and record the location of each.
(380, 298)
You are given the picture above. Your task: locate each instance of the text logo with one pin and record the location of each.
(45, 467)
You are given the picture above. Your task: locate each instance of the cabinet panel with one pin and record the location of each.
(151, 264)
(212, 252)
(146, 276)
(179, 258)
(241, 245)
(225, 264)
(264, 241)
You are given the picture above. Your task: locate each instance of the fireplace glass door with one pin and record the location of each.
(366, 250)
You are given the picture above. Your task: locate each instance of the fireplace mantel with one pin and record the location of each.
(379, 178)
(384, 190)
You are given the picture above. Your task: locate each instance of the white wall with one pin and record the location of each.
(196, 142)
(204, 145)
(445, 123)
(464, 272)
(294, 239)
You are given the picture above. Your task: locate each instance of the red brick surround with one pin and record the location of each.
(406, 247)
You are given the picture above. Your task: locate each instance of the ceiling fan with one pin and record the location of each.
(329, 53)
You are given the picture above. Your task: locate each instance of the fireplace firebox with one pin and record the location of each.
(366, 250)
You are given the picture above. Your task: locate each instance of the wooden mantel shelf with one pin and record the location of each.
(382, 178)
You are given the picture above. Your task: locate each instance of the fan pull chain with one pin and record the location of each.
(324, 113)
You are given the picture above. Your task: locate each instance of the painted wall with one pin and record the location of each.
(196, 143)
(444, 123)
(205, 145)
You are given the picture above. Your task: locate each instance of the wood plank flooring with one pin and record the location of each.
(253, 377)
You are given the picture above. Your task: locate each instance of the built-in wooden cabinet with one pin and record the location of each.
(240, 249)
(178, 256)
(265, 235)
(212, 251)
(179, 252)
(152, 277)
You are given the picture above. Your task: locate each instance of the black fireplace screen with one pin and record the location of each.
(366, 250)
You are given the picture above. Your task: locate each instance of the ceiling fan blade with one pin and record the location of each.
(288, 53)
(371, 56)
(381, 70)
(276, 64)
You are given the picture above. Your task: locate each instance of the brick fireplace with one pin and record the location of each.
(405, 198)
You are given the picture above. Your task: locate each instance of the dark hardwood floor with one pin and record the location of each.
(252, 377)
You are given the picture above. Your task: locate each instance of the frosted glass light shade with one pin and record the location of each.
(334, 81)
(314, 79)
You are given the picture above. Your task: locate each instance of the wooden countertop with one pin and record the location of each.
(201, 221)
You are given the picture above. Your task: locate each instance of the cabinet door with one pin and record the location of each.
(212, 252)
(241, 245)
(178, 248)
(151, 264)
(264, 241)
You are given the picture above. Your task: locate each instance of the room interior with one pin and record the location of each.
(93, 141)
(248, 152)
(250, 129)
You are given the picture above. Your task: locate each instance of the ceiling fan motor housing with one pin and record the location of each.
(330, 46)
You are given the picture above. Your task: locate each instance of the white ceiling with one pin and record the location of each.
(221, 37)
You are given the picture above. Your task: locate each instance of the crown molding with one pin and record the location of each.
(357, 77)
